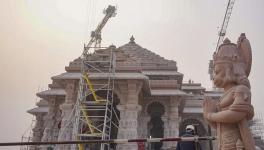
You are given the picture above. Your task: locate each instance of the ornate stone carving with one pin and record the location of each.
(171, 124)
(230, 115)
(129, 110)
(128, 124)
(38, 130)
(51, 121)
(66, 129)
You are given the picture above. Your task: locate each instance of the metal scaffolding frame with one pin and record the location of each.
(257, 125)
(28, 135)
(94, 106)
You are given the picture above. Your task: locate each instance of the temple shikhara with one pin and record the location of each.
(148, 99)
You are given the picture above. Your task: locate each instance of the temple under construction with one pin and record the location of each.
(149, 99)
(124, 92)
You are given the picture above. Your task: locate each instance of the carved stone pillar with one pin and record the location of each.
(129, 110)
(144, 126)
(51, 121)
(128, 125)
(65, 133)
(165, 120)
(38, 129)
(173, 121)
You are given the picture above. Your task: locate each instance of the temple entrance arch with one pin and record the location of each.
(155, 126)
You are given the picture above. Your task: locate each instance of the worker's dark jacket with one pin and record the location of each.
(188, 145)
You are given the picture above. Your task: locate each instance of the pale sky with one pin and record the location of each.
(38, 38)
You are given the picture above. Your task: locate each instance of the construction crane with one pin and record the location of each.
(222, 32)
(96, 34)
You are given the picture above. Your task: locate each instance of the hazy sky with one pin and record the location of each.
(38, 38)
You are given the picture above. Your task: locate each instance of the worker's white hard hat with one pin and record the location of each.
(189, 127)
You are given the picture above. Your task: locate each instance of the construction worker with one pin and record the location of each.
(188, 145)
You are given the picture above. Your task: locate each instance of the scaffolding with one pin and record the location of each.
(257, 125)
(28, 135)
(94, 108)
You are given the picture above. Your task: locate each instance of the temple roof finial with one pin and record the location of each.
(132, 40)
(226, 41)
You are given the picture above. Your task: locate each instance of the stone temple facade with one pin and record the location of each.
(153, 101)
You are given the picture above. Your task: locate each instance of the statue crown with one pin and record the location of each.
(237, 54)
(227, 53)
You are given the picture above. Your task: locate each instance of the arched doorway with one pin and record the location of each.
(155, 125)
